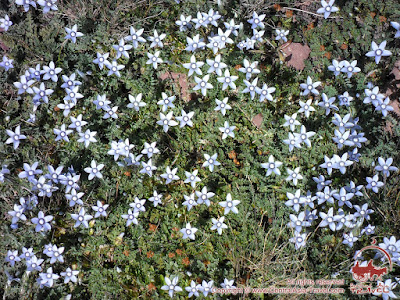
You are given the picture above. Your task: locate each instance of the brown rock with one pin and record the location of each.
(257, 120)
(296, 54)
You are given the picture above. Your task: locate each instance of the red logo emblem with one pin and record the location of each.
(370, 271)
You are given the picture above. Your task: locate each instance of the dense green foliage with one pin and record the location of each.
(255, 249)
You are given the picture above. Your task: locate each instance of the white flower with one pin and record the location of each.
(87, 137)
(249, 68)
(15, 137)
(136, 102)
(211, 161)
(281, 34)
(138, 205)
(150, 149)
(81, 218)
(291, 121)
(166, 121)
(229, 204)
(171, 286)
(265, 92)
(131, 217)
(222, 106)
(204, 196)
(218, 224)
(189, 201)
(73, 33)
(202, 84)
(156, 198)
(188, 232)
(294, 175)
(327, 8)
(228, 80)
(386, 289)
(94, 170)
(304, 136)
(306, 107)
(185, 118)
(192, 178)
(166, 101)
(310, 87)
(154, 59)
(194, 66)
(227, 130)
(148, 168)
(156, 40)
(100, 209)
(170, 175)
(216, 65)
(272, 166)
(114, 68)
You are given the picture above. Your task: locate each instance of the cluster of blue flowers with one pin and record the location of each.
(342, 211)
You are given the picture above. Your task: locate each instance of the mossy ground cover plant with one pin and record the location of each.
(154, 148)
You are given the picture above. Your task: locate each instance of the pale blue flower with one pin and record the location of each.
(227, 130)
(194, 66)
(194, 43)
(34, 264)
(56, 254)
(299, 239)
(218, 224)
(350, 68)
(150, 149)
(396, 26)
(336, 67)
(100, 209)
(192, 178)
(12, 257)
(272, 166)
(291, 121)
(378, 51)
(303, 136)
(15, 137)
(94, 170)
(166, 121)
(156, 40)
(171, 286)
(188, 232)
(131, 217)
(74, 198)
(77, 123)
(384, 107)
(154, 59)
(87, 137)
(48, 278)
(114, 68)
(122, 49)
(166, 102)
(138, 205)
(189, 201)
(327, 8)
(249, 69)
(193, 289)
(229, 205)
(373, 183)
(211, 161)
(73, 33)
(232, 27)
(294, 200)
(81, 218)
(306, 107)
(250, 87)
(50, 72)
(363, 212)
(17, 214)
(70, 82)
(216, 65)
(30, 171)
(48, 5)
(156, 198)
(26, 3)
(228, 80)
(222, 106)
(329, 219)
(184, 23)
(204, 196)
(7, 63)
(135, 37)
(23, 85)
(345, 99)
(385, 166)
(281, 35)
(257, 21)
(62, 133)
(111, 112)
(292, 142)
(327, 104)
(42, 222)
(202, 84)
(265, 92)
(310, 87)
(148, 168)
(69, 275)
(170, 175)
(101, 60)
(349, 239)
(41, 93)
